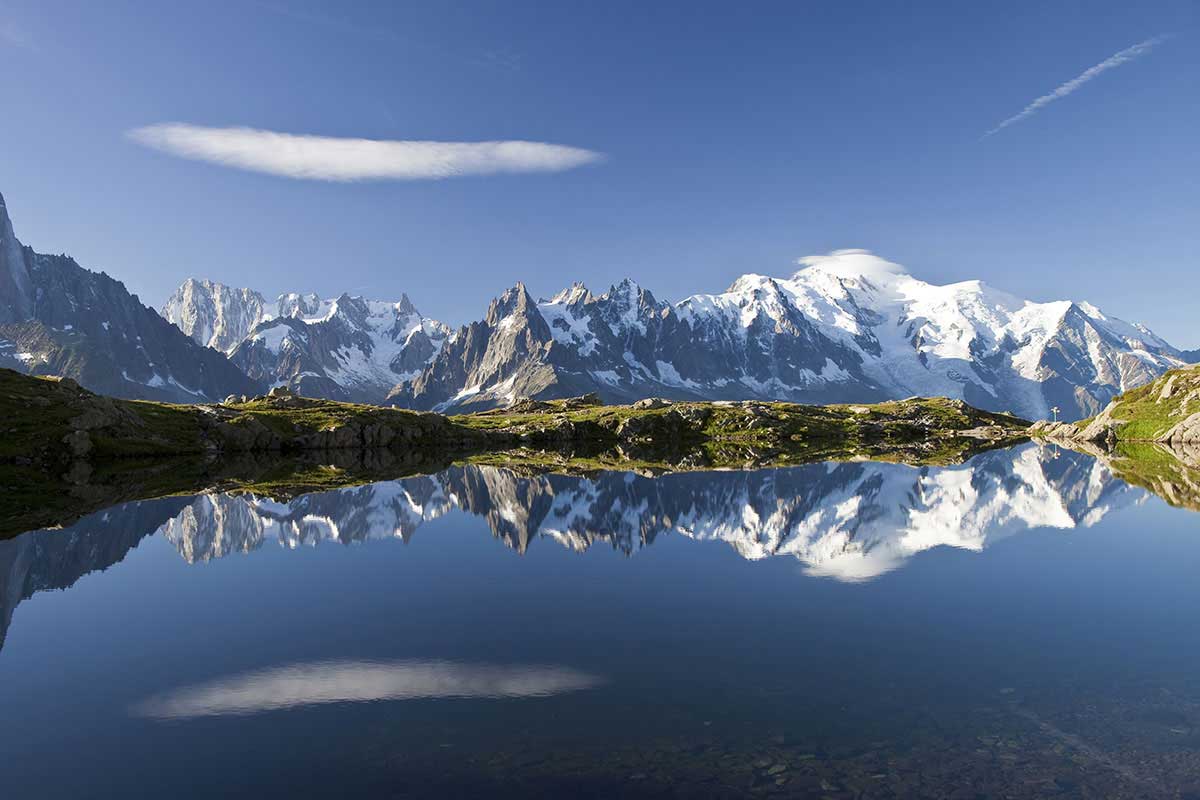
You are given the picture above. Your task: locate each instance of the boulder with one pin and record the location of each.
(78, 443)
(588, 400)
(652, 402)
(1185, 432)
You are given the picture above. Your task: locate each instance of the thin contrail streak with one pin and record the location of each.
(1112, 62)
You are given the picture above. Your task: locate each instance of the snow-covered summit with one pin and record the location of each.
(847, 327)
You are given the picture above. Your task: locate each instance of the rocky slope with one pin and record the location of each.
(347, 348)
(1165, 411)
(57, 318)
(848, 327)
(54, 422)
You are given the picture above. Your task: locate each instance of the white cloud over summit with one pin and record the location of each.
(852, 263)
(328, 158)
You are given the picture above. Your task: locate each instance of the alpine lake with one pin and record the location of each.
(1022, 624)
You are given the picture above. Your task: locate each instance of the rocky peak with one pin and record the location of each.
(353, 309)
(405, 307)
(16, 295)
(575, 295)
(213, 314)
(515, 304)
(294, 304)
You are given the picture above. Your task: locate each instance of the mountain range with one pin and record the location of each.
(345, 348)
(846, 327)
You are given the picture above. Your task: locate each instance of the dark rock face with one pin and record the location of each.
(57, 318)
(16, 292)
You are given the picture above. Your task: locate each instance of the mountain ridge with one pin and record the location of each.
(346, 348)
(847, 327)
(57, 318)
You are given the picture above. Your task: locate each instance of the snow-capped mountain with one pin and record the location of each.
(57, 318)
(850, 521)
(346, 348)
(213, 314)
(848, 327)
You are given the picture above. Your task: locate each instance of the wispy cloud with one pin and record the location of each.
(1112, 62)
(323, 682)
(327, 158)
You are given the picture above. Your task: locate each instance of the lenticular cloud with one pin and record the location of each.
(323, 682)
(328, 158)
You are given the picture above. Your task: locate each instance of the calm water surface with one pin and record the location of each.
(1023, 625)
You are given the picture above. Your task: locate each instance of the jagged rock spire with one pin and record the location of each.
(16, 296)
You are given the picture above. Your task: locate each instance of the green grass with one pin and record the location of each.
(319, 415)
(1143, 415)
(26, 425)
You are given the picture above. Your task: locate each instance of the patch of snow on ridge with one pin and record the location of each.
(272, 337)
(570, 330)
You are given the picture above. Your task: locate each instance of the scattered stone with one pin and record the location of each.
(78, 443)
(651, 402)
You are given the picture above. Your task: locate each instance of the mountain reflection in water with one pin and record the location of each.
(850, 521)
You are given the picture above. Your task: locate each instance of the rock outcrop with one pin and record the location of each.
(1166, 411)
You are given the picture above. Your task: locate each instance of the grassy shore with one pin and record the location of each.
(67, 451)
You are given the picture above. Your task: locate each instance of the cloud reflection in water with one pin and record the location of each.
(321, 682)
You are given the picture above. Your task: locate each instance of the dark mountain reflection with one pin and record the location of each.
(849, 521)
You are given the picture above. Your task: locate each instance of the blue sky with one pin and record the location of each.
(734, 139)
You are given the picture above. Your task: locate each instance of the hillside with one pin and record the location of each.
(1166, 411)
(57, 421)
(67, 447)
